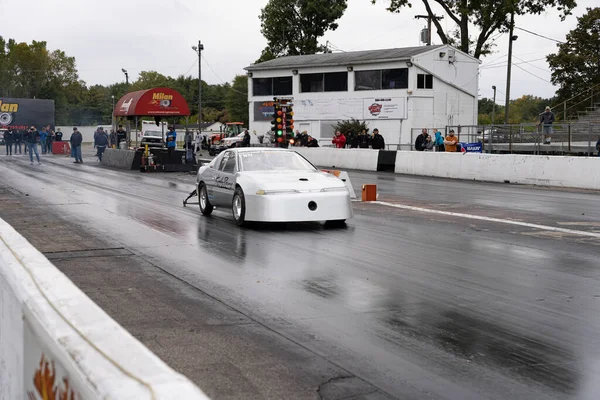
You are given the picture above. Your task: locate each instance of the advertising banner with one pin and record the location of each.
(385, 108)
(20, 114)
(471, 147)
(263, 110)
(328, 109)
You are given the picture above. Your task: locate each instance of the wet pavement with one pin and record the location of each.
(398, 304)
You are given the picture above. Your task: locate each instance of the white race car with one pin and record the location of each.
(271, 185)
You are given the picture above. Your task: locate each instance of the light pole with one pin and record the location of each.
(198, 49)
(126, 76)
(511, 39)
(494, 108)
(112, 113)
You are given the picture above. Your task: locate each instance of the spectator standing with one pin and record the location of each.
(377, 142)
(188, 141)
(339, 140)
(58, 136)
(246, 141)
(18, 140)
(546, 120)
(49, 139)
(439, 141)
(598, 147)
(451, 142)
(420, 141)
(121, 136)
(101, 141)
(363, 140)
(76, 140)
(31, 138)
(312, 142)
(43, 138)
(171, 140)
(9, 137)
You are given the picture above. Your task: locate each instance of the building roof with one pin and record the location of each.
(345, 58)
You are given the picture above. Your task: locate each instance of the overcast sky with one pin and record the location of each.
(105, 36)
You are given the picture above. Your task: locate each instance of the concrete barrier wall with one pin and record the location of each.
(117, 158)
(361, 159)
(50, 331)
(561, 171)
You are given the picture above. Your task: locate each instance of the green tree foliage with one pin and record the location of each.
(525, 109)
(486, 16)
(576, 65)
(350, 128)
(236, 101)
(293, 27)
(31, 70)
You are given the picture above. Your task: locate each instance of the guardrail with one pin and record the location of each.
(54, 338)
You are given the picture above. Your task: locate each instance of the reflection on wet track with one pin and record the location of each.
(417, 305)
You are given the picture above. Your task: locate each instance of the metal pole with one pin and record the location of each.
(429, 31)
(510, 40)
(112, 113)
(200, 48)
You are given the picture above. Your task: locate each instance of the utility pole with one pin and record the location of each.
(198, 49)
(429, 18)
(494, 108)
(511, 39)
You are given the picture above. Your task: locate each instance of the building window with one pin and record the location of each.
(324, 82)
(424, 81)
(282, 86)
(381, 79)
(272, 86)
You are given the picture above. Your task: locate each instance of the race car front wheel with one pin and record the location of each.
(205, 207)
(238, 206)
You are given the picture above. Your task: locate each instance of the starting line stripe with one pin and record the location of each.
(490, 219)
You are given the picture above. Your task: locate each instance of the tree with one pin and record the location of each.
(350, 128)
(487, 16)
(236, 101)
(576, 65)
(293, 27)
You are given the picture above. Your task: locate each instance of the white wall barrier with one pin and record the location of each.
(53, 337)
(330, 157)
(561, 171)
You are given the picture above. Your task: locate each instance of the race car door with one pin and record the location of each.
(224, 183)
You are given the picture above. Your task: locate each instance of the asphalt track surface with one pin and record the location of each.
(398, 304)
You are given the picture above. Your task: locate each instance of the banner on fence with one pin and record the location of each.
(471, 147)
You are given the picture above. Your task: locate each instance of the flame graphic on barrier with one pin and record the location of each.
(44, 381)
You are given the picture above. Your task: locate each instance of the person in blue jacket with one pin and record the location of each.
(439, 141)
(171, 140)
(43, 138)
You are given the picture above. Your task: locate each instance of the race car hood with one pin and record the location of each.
(298, 180)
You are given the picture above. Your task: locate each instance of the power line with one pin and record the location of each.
(222, 81)
(532, 74)
(534, 66)
(188, 71)
(504, 64)
(537, 34)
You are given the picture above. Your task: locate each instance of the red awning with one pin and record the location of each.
(157, 102)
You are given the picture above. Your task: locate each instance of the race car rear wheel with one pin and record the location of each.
(238, 206)
(205, 207)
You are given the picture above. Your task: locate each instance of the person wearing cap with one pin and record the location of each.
(377, 143)
(31, 138)
(451, 141)
(546, 120)
(76, 140)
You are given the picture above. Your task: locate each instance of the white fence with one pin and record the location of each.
(54, 337)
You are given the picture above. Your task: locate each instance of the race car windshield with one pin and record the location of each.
(273, 161)
(153, 133)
